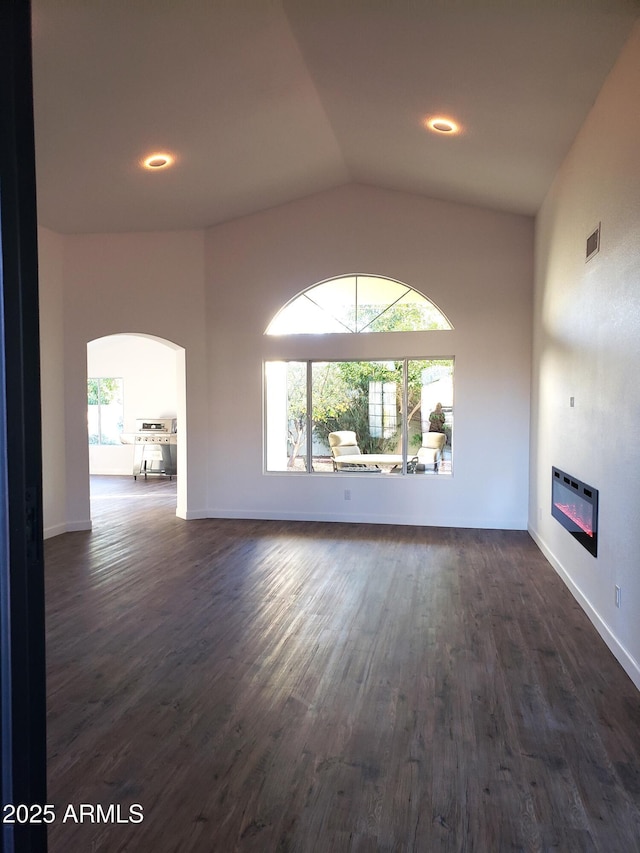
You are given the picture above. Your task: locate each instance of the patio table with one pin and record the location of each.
(370, 459)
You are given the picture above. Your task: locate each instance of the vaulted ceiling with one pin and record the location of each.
(266, 101)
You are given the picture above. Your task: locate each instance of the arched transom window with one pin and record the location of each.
(358, 303)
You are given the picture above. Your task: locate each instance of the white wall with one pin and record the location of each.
(476, 265)
(153, 284)
(587, 345)
(213, 294)
(148, 370)
(51, 287)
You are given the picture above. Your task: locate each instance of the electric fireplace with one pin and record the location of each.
(575, 505)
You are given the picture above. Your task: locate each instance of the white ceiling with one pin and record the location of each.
(268, 101)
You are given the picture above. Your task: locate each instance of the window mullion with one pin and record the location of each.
(99, 388)
(355, 312)
(405, 414)
(309, 417)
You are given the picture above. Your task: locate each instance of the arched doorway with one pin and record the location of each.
(143, 376)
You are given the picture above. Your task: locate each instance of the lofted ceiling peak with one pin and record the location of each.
(261, 102)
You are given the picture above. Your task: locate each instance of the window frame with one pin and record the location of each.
(309, 422)
(100, 406)
(447, 325)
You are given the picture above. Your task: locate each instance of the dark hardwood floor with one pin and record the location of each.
(271, 686)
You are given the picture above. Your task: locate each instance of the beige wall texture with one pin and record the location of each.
(587, 346)
(150, 284)
(476, 265)
(214, 293)
(54, 473)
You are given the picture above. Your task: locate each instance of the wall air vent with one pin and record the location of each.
(593, 243)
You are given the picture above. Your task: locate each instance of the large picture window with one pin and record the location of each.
(396, 415)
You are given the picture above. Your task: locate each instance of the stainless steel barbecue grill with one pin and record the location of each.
(155, 447)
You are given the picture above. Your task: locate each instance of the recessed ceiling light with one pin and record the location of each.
(157, 161)
(440, 124)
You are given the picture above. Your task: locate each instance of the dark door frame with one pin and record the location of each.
(22, 660)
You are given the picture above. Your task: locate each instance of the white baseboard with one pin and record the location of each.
(54, 530)
(265, 515)
(190, 514)
(68, 527)
(624, 658)
(361, 518)
(79, 525)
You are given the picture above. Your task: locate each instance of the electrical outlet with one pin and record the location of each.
(572, 402)
(618, 594)
(347, 494)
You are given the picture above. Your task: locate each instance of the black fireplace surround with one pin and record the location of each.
(575, 505)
